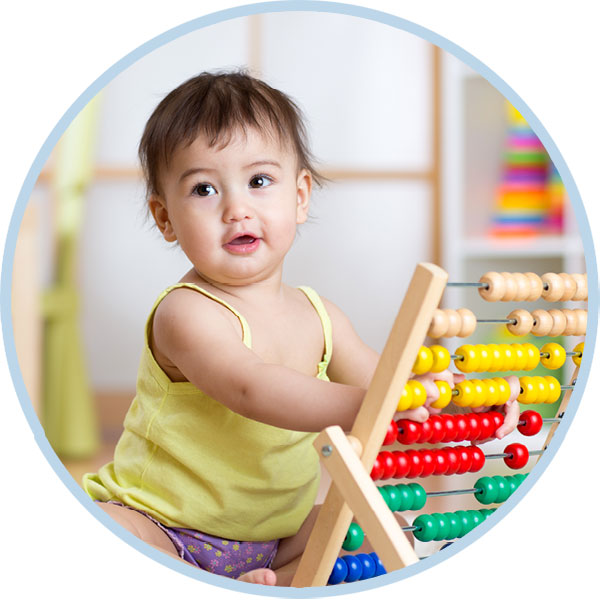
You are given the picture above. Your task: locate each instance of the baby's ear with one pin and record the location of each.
(303, 191)
(158, 208)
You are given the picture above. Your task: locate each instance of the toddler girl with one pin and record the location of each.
(216, 463)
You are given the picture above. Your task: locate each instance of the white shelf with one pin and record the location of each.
(558, 246)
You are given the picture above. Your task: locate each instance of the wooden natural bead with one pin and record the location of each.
(524, 322)
(523, 287)
(581, 292)
(496, 286)
(510, 293)
(556, 287)
(468, 322)
(439, 324)
(542, 322)
(454, 322)
(536, 287)
(571, 326)
(559, 322)
(581, 317)
(570, 287)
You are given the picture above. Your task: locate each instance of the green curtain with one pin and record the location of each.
(69, 413)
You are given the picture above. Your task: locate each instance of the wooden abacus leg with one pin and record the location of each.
(377, 410)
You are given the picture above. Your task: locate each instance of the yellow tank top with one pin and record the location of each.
(190, 462)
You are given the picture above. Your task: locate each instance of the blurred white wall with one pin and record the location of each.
(366, 91)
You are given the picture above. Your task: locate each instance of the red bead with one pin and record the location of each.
(415, 462)
(402, 464)
(450, 430)
(437, 429)
(426, 432)
(453, 459)
(474, 426)
(532, 422)
(408, 431)
(391, 434)
(377, 470)
(389, 464)
(477, 459)
(465, 459)
(462, 428)
(441, 462)
(487, 427)
(498, 419)
(428, 462)
(518, 456)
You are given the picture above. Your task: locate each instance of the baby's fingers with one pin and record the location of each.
(420, 414)
(511, 419)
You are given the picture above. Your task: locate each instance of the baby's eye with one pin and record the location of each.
(260, 181)
(204, 189)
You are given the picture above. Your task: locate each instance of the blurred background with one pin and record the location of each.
(427, 162)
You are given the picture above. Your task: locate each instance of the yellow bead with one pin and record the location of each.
(424, 361)
(419, 395)
(578, 348)
(503, 390)
(405, 399)
(497, 363)
(508, 356)
(485, 358)
(533, 356)
(557, 355)
(520, 357)
(465, 393)
(554, 389)
(445, 395)
(543, 390)
(479, 393)
(492, 392)
(470, 358)
(528, 393)
(441, 358)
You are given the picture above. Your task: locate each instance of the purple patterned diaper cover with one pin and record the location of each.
(217, 555)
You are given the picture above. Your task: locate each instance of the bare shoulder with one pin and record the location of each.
(353, 362)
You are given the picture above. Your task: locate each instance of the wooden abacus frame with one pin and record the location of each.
(349, 459)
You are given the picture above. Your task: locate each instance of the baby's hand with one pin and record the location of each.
(510, 409)
(428, 380)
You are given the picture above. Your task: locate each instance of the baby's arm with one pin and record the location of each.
(195, 336)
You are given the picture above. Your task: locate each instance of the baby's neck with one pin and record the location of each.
(266, 290)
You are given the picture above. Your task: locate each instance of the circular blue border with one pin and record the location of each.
(243, 11)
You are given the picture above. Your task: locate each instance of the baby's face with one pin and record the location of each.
(233, 210)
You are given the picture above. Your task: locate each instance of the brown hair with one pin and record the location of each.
(217, 105)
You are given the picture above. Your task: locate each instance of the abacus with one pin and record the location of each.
(358, 460)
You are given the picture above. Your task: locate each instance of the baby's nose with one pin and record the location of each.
(237, 208)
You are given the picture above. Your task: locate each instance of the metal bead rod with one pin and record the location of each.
(452, 492)
(506, 454)
(479, 284)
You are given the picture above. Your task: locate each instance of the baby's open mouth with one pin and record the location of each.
(243, 239)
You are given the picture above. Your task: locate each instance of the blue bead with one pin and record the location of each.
(379, 568)
(354, 568)
(368, 566)
(339, 573)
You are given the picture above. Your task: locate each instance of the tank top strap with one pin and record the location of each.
(317, 303)
(246, 334)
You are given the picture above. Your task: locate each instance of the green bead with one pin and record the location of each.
(384, 494)
(394, 497)
(465, 519)
(486, 512)
(455, 527)
(420, 496)
(406, 495)
(487, 490)
(426, 528)
(503, 488)
(443, 526)
(354, 537)
(512, 483)
(477, 517)
(520, 477)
